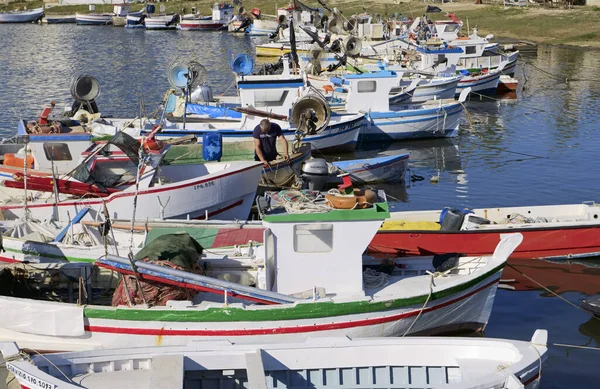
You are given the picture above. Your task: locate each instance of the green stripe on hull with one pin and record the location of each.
(297, 312)
(53, 256)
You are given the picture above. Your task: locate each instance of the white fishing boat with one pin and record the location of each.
(221, 14)
(343, 294)
(410, 89)
(281, 98)
(370, 93)
(161, 22)
(480, 82)
(94, 19)
(59, 19)
(161, 191)
(457, 363)
(28, 16)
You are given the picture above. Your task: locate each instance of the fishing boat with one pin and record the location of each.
(29, 16)
(465, 363)
(94, 19)
(370, 92)
(78, 240)
(550, 232)
(221, 14)
(59, 19)
(162, 22)
(480, 82)
(119, 180)
(343, 294)
(507, 84)
(391, 168)
(410, 89)
(281, 98)
(319, 174)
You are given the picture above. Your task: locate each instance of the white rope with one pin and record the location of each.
(374, 279)
(302, 204)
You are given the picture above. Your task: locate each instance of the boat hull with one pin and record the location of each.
(435, 90)
(484, 85)
(67, 19)
(341, 134)
(159, 23)
(22, 17)
(538, 243)
(225, 194)
(93, 20)
(201, 24)
(379, 169)
(467, 308)
(426, 123)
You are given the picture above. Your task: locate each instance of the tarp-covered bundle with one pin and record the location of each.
(174, 251)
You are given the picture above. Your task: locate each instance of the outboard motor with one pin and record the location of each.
(202, 94)
(315, 174)
(174, 21)
(141, 20)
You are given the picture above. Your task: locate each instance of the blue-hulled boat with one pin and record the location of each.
(29, 16)
(389, 168)
(59, 19)
(369, 93)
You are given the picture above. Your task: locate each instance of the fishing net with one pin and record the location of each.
(99, 177)
(173, 251)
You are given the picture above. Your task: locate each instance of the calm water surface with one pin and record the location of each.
(541, 148)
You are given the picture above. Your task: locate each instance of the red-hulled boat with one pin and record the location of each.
(559, 231)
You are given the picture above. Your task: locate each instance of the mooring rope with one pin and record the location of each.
(553, 292)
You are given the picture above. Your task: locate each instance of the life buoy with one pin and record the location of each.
(362, 198)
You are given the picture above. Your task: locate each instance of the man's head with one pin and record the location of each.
(265, 125)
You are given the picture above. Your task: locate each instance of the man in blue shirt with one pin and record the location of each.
(265, 142)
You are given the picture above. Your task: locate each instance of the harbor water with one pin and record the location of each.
(536, 149)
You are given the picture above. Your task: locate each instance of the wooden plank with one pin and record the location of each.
(255, 370)
(167, 372)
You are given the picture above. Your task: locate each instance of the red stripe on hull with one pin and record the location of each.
(284, 330)
(538, 243)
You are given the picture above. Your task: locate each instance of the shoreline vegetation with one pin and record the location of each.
(579, 26)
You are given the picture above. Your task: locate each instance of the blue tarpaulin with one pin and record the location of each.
(212, 112)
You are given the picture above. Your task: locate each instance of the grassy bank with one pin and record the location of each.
(579, 26)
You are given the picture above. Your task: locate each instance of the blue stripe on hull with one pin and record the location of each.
(408, 135)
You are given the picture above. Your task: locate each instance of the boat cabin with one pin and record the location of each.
(310, 251)
(222, 11)
(447, 30)
(61, 150)
(368, 91)
(442, 59)
(275, 94)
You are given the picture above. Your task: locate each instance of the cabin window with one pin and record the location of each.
(441, 58)
(470, 50)
(57, 152)
(366, 86)
(313, 238)
(452, 27)
(274, 98)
